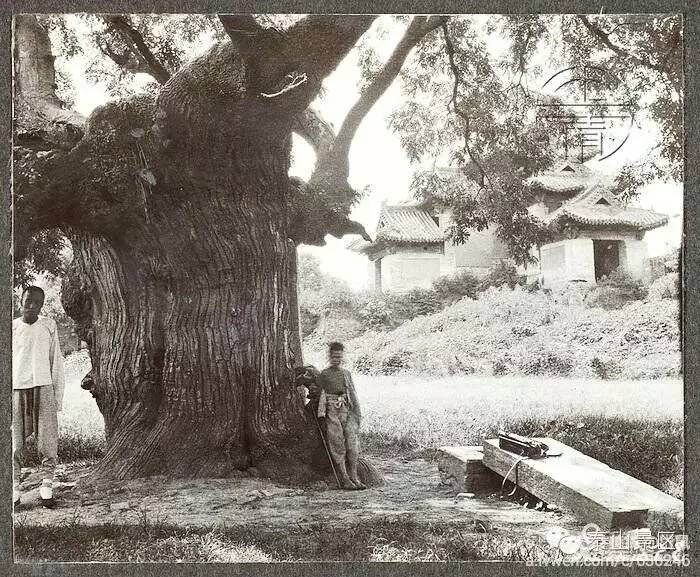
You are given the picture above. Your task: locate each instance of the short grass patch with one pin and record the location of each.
(380, 539)
(634, 426)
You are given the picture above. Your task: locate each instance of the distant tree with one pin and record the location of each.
(310, 277)
(644, 55)
(478, 116)
(319, 293)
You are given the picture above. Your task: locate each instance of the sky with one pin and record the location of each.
(377, 161)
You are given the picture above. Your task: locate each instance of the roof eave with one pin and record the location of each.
(582, 221)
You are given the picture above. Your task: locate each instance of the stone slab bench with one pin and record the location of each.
(461, 467)
(593, 491)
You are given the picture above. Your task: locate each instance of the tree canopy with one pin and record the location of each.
(478, 113)
(462, 106)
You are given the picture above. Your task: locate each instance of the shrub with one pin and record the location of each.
(655, 366)
(501, 366)
(376, 314)
(620, 278)
(396, 362)
(502, 274)
(605, 368)
(363, 364)
(572, 293)
(665, 287)
(616, 290)
(414, 303)
(308, 321)
(523, 330)
(533, 286)
(454, 287)
(545, 361)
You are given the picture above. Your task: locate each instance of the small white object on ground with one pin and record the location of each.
(46, 490)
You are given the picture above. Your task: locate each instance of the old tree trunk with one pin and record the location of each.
(186, 311)
(184, 224)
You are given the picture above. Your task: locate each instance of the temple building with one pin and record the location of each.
(412, 248)
(596, 234)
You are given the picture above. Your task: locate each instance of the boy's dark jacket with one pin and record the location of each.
(309, 377)
(353, 401)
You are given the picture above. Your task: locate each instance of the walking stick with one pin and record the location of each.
(328, 453)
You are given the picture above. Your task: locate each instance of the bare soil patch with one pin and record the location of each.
(412, 492)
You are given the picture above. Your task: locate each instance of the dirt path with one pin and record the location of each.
(412, 489)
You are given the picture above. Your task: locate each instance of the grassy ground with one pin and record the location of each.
(379, 539)
(636, 426)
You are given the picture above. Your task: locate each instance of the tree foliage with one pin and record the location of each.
(458, 112)
(643, 53)
(464, 107)
(475, 112)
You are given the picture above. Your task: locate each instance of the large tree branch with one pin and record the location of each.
(449, 47)
(315, 130)
(332, 168)
(286, 68)
(138, 47)
(328, 186)
(40, 121)
(44, 134)
(604, 38)
(260, 48)
(312, 48)
(320, 136)
(418, 28)
(241, 28)
(318, 43)
(48, 160)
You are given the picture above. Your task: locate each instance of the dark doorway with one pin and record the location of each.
(606, 257)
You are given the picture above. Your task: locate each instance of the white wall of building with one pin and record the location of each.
(633, 253)
(410, 269)
(573, 259)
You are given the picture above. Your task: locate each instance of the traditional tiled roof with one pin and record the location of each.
(359, 245)
(402, 224)
(567, 175)
(596, 207)
(408, 224)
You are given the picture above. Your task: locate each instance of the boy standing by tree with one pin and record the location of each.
(339, 405)
(37, 382)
